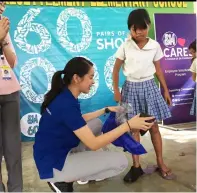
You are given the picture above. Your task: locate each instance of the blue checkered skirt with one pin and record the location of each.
(145, 97)
(193, 108)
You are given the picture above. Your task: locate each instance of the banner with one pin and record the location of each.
(144, 4)
(47, 35)
(175, 36)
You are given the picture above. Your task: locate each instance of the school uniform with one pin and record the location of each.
(140, 89)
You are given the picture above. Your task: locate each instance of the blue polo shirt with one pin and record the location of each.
(55, 136)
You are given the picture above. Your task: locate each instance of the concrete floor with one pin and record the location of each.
(174, 142)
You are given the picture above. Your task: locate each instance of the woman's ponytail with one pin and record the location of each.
(57, 86)
(78, 65)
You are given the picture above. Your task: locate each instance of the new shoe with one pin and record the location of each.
(133, 174)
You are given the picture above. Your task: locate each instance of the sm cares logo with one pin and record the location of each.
(169, 39)
(175, 48)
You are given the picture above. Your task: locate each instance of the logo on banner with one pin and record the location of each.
(175, 48)
(169, 39)
(29, 124)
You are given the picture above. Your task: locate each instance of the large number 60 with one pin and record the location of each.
(20, 37)
(25, 26)
(63, 33)
(25, 78)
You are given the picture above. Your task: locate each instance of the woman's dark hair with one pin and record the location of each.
(193, 45)
(77, 65)
(139, 18)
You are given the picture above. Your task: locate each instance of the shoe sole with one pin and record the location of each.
(82, 183)
(86, 182)
(53, 187)
(98, 180)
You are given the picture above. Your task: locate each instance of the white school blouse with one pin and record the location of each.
(138, 63)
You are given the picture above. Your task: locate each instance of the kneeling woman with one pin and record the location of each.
(62, 127)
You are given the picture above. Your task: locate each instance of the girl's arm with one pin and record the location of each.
(162, 81)
(193, 70)
(120, 57)
(194, 76)
(115, 74)
(115, 78)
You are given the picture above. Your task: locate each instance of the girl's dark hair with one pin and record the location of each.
(193, 45)
(77, 65)
(139, 18)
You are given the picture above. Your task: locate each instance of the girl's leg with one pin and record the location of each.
(157, 143)
(136, 171)
(136, 158)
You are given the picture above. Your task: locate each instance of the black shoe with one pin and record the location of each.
(61, 186)
(133, 174)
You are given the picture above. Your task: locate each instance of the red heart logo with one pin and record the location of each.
(181, 41)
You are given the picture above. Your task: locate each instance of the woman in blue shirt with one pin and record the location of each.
(62, 127)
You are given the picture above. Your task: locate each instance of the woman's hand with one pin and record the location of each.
(138, 122)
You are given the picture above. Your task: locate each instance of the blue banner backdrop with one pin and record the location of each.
(45, 38)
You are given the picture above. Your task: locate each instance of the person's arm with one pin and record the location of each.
(9, 51)
(74, 121)
(93, 115)
(193, 70)
(162, 81)
(115, 74)
(4, 28)
(160, 75)
(98, 113)
(194, 76)
(120, 58)
(96, 142)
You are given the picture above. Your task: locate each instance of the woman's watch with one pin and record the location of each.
(107, 110)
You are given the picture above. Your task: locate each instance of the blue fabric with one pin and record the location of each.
(126, 141)
(55, 136)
